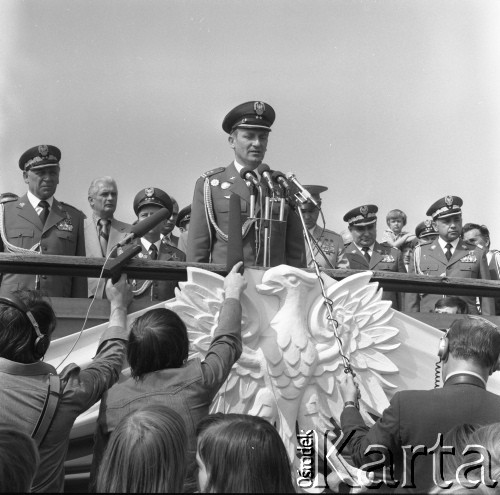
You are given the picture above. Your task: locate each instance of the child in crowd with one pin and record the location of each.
(146, 453)
(238, 453)
(394, 234)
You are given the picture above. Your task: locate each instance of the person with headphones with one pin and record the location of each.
(34, 398)
(409, 431)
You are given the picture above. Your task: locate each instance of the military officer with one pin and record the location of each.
(39, 223)
(182, 224)
(448, 256)
(425, 231)
(169, 226)
(248, 126)
(147, 202)
(365, 253)
(329, 250)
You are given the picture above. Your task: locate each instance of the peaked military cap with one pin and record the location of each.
(39, 157)
(362, 215)
(184, 216)
(152, 196)
(445, 207)
(425, 229)
(316, 191)
(249, 115)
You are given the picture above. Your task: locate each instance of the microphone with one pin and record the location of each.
(248, 174)
(265, 172)
(143, 227)
(279, 177)
(303, 191)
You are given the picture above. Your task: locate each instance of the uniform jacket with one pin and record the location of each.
(206, 245)
(468, 261)
(494, 266)
(117, 231)
(332, 245)
(23, 388)
(385, 258)
(62, 234)
(415, 418)
(157, 290)
(188, 390)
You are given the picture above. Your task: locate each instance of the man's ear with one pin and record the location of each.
(25, 177)
(230, 140)
(91, 201)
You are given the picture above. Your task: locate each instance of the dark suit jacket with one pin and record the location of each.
(117, 231)
(62, 234)
(384, 258)
(415, 418)
(157, 290)
(468, 261)
(206, 245)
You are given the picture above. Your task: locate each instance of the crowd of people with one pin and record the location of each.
(154, 432)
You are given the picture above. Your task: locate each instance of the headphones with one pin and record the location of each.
(443, 346)
(42, 341)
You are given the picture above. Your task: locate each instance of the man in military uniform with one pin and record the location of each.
(248, 126)
(425, 231)
(102, 231)
(365, 253)
(329, 250)
(448, 256)
(39, 223)
(182, 224)
(146, 203)
(169, 225)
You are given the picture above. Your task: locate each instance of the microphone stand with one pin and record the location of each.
(267, 219)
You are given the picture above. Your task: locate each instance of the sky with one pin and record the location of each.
(386, 102)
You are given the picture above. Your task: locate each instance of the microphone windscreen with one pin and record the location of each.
(263, 167)
(244, 171)
(277, 174)
(144, 226)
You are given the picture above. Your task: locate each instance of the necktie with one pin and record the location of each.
(103, 235)
(366, 253)
(448, 251)
(153, 252)
(45, 211)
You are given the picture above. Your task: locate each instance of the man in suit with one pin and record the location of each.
(102, 231)
(248, 126)
(328, 251)
(39, 223)
(448, 256)
(480, 236)
(146, 203)
(365, 253)
(415, 419)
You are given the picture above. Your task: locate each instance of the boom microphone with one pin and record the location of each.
(144, 226)
(303, 191)
(248, 174)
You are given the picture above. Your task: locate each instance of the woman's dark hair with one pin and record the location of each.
(146, 453)
(19, 460)
(158, 340)
(452, 302)
(17, 335)
(243, 454)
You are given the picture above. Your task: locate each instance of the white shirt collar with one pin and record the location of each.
(147, 244)
(34, 200)
(370, 248)
(443, 243)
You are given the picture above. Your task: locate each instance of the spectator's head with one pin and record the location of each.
(26, 324)
(19, 460)
(452, 305)
(170, 223)
(426, 231)
(103, 196)
(396, 220)
(183, 219)
(406, 250)
(241, 454)
(309, 212)
(158, 340)
(474, 340)
(146, 453)
(477, 234)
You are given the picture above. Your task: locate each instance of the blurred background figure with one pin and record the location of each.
(19, 460)
(182, 223)
(146, 453)
(238, 453)
(167, 236)
(426, 231)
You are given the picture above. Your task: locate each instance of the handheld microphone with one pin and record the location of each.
(248, 174)
(144, 226)
(279, 177)
(303, 191)
(265, 172)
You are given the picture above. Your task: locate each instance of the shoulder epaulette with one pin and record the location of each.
(212, 172)
(423, 242)
(7, 197)
(71, 206)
